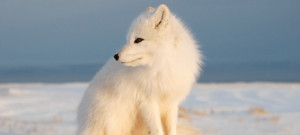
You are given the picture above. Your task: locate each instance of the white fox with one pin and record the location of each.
(139, 91)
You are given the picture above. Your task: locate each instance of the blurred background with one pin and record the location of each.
(69, 40)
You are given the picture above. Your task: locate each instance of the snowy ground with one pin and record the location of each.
(214, 108)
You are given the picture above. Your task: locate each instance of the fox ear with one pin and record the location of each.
(161, 17)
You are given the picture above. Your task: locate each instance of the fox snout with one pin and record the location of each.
(132, 56)
(116, 56)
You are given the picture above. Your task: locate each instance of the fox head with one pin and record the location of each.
(148, 38)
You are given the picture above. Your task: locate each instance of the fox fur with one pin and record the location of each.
(138, 92)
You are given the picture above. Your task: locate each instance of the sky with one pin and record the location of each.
(66, 32)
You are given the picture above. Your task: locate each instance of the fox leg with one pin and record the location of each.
(150, 113)
(170, 120)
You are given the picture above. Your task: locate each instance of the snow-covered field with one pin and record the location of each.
(214, 108)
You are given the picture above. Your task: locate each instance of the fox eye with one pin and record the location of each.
(138, 40)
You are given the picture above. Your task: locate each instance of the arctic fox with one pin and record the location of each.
(138, 92)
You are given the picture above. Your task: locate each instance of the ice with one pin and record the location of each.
(260, 108)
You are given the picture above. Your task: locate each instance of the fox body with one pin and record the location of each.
(139, 91)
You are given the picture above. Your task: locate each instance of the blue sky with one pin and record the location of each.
(62, 32)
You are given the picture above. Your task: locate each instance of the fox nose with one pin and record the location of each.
(116, 56)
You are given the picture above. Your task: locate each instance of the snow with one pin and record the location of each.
(258, 108)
